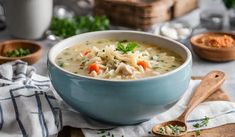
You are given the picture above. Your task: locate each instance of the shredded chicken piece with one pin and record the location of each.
(124, 69)
(93, 73)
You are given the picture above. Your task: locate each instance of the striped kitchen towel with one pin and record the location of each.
(29, 107)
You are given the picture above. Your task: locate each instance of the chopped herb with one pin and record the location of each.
(171, 130)
(204, 122)
(173, 66)
(18, 52)
(66, 53)
(198, 132)
(101, 131)
(126, 46)
(61, 64)
(112, 135)
(103, 136)
(108, 134)
(156, 67)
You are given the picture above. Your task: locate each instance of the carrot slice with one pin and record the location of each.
(94, 67)
(143, 64)
(85, 52)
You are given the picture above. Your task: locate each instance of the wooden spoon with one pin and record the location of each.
(209, 84)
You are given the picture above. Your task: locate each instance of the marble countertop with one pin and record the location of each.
(200, 67)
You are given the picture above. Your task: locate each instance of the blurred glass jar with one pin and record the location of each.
(212, 19)
(28, 19)
(231, 14)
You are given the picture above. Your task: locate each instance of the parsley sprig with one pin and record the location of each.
(125, 46)
(67, 27)
(203, 123)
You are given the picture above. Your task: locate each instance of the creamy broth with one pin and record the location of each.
(112, 59)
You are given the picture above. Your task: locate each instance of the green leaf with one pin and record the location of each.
(126, 46)
(131, 46)
(229, 3)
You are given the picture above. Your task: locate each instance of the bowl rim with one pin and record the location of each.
(187, 61)
(21, 41)
(202, 46)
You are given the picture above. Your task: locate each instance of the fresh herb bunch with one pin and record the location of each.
(18, 52)
(229, 3)
(125, 46)
(67, 27)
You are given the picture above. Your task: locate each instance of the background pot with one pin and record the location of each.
(28, 18)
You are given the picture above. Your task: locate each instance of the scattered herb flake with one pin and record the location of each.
(198, 132)
(204, 122)
(61, 64)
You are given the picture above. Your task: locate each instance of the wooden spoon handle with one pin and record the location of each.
(208, 85)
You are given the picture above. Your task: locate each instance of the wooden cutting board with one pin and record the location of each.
(222, 131)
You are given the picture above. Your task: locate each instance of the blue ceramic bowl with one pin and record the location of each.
(121, 101)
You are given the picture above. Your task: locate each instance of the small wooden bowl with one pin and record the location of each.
(9, 45)
(212, 53)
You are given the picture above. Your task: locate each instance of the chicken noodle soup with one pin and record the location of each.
(112, 59)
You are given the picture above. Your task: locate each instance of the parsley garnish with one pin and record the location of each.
(203, 123)
(125, 46)
(67, 27)
(61, 64)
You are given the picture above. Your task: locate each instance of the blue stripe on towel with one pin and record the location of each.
(19, 63)
(1, 117)
(56, 112)
(18, 96)
(41, 116)
(197, 120)
(23, 131)
(26, 87)
(19, 73)
(2, 77)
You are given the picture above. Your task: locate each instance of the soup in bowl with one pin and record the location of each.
(118, 59)
(120, 77)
